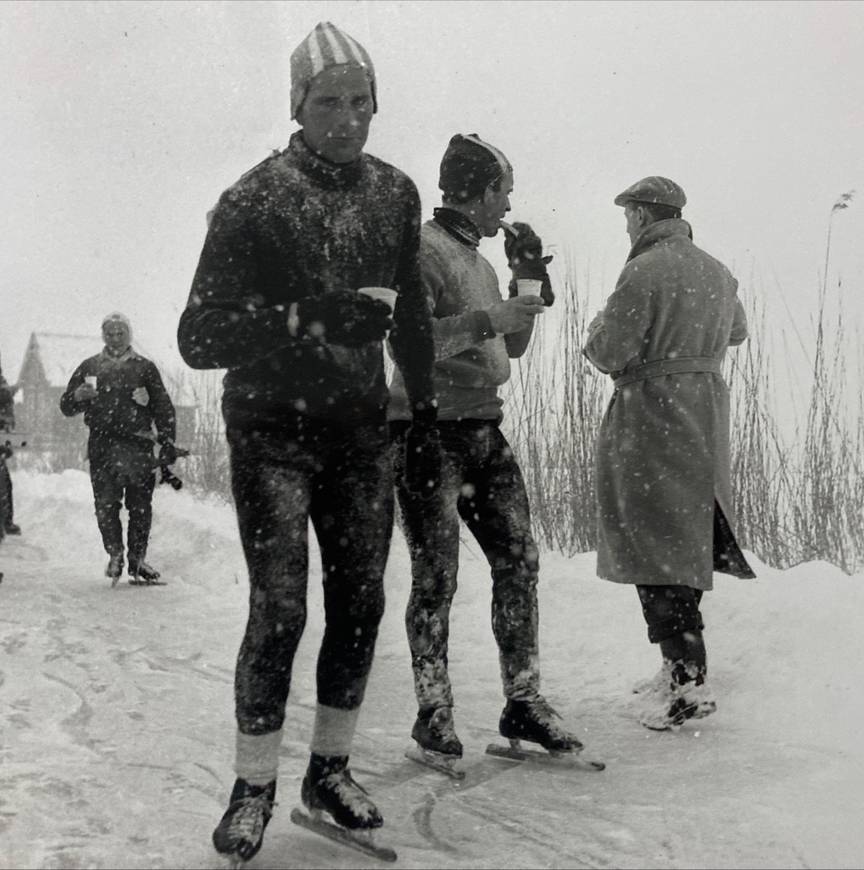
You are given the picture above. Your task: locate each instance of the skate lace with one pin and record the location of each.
(352, 794)
(247, 821)
(544, 714)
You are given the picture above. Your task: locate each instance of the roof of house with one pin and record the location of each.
(59, 354)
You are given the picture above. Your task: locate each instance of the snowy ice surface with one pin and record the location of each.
(117, 731)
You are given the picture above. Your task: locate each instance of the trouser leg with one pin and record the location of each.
(675, 623)
(496, 510)
(139, 504)
(272, 501)
(7, 507)
(431, 530)
(107, 497)
(352, 513)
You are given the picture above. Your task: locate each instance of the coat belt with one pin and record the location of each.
(677, 366)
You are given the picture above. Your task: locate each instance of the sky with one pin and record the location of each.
(123, 122)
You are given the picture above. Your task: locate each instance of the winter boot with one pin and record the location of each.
(241, 830)
(329, 787)
(535, 721)
(140, 573)
(115, 568)
(434, 731)
(661, 682)
(689, 697)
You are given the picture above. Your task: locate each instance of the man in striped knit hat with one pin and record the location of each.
(476, 334)
(275, 301)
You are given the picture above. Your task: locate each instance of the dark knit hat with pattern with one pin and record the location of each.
(469, 166)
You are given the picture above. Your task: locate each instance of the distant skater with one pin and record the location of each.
(123, 400)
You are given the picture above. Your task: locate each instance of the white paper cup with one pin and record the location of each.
(91, 379)
(528, 286)
(385, 294)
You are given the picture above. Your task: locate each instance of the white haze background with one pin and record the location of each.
(123, 122)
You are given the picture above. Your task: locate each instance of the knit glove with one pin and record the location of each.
(423, 457)
(168, 453)
(344, 317)
(524, 251)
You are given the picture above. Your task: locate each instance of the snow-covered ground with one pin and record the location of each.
(117, 731)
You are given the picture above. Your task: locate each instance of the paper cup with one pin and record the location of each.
(528, 286)
(385, 294)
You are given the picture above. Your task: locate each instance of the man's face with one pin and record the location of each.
(494, 205)
(115, 334)
(635, 216)
(336, 113)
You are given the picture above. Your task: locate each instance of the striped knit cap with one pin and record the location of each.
(324, 47)
(469, 166)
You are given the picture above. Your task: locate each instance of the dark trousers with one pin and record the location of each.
(6, 505)
(674, 621)
(111, 489)
(342, 480)
(480, 483)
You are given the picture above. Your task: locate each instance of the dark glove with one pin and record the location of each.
(422, 459)
(344, 317)
(524, 252)
(168, 453)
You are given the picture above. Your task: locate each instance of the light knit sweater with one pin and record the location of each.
(459, 283)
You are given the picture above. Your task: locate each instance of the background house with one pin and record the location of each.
(48, 364)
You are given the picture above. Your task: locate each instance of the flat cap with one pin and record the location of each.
(655, 190)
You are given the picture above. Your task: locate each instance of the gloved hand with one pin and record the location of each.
(168, 453)
(423, 458)
(525, 258)
(344, 317)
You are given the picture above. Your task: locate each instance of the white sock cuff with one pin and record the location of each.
(334, 730)
(257, 757)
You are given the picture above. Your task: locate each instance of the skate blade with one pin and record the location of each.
(516, 752)
(360, 840)
(115, 581)
(437, 761)
(133, 581)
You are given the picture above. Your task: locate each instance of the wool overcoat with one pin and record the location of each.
(662, 461)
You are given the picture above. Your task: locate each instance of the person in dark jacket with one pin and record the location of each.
(664, 500)
(123, 399)
(8, 526)
(275, 301)
(477, 333)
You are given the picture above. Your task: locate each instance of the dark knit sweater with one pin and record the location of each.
(297, 226)
(114, 413)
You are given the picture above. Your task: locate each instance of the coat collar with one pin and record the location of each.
(329, 175)
(657, 232)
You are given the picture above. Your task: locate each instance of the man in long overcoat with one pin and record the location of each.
(662, 456)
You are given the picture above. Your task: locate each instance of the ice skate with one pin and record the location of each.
(240, 832)
(438, 746)
(340, 809)
(142, 574)
(114, 568)
(536, 722)
(690, 700)
(12, 529)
